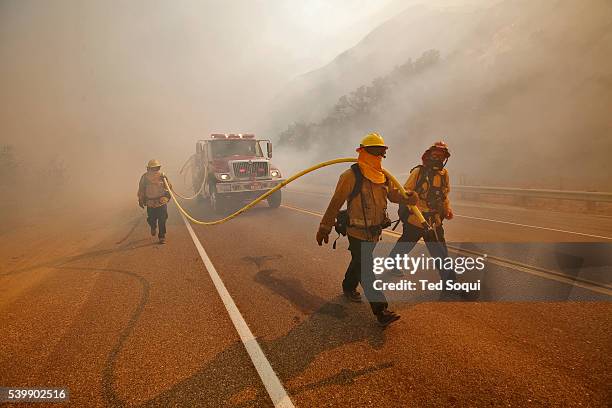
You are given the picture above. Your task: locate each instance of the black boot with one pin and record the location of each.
(386, 317)
(353, 295)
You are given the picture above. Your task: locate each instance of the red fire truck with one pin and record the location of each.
(230, 169)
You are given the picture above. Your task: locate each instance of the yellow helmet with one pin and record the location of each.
(372, 139)
(153, 163)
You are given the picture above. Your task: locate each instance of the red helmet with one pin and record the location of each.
(440, 145)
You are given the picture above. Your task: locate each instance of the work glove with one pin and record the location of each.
(322, 235)
(411, 198)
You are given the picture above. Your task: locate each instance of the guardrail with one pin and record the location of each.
(585, 196)
(594, 201)
(597, 202)
(551, 194)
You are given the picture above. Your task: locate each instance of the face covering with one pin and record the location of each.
(434, 164)
(371, 167)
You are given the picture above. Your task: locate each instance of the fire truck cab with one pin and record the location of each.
(232, 168)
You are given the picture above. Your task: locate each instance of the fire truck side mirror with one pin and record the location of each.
(269, 147)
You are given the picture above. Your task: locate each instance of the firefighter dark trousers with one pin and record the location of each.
(156, 217)
(360, 271)
(437, 248)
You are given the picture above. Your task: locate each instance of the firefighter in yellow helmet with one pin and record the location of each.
(153, 194)
(365, 189)
(431, 182)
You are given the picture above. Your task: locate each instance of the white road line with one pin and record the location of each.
(275, 389)
(535, 226)
(530, 269)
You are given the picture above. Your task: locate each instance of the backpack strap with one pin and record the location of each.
(365, 219)
(421, 179)
(358, 182)
(403, 212)
(443, 183)
(356, 190)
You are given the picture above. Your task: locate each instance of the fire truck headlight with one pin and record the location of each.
(223, 176)
(275, 173)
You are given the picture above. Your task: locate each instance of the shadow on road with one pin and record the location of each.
(331, 324)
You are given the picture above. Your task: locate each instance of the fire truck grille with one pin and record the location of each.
(244, 169)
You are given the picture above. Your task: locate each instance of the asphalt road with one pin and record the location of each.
(95, 305)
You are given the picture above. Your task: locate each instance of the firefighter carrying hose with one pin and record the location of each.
(365, 189)
(430, 180)
(153, 194)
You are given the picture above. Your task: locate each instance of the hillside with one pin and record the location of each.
(521, 91)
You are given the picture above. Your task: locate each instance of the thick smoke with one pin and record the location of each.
(92, 90)
(520, 90)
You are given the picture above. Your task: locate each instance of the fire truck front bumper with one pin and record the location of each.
(245, 186)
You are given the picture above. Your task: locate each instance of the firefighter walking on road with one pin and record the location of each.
(431, 182)
(365, 189)
(153, 194)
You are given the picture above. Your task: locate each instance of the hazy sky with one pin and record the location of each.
(127, 76)
(99, 82)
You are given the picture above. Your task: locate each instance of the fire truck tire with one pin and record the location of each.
(274, 201)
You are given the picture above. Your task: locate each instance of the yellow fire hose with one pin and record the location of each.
(188, 198)
(282, 184)
(189, 160)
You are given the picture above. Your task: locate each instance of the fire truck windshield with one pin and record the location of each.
(225, 148)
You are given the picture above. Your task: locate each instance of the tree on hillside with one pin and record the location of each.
(356, 108)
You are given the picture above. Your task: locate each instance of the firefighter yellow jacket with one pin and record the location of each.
(375, 198)
(440, 178)
(151, 189)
